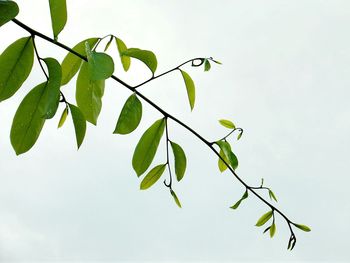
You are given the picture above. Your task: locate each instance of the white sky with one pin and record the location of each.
(284, 79)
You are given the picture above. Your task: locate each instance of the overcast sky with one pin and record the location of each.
(284, 79)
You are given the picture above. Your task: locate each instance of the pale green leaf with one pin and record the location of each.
(101, 65)
(264, 218)
(130, 116)
(71, 63)
(227, 124)
(16, 63)
(29, 120)
(53, 87)
(79, 124)
(180, 160)
(239, 136)
(8, 11)
(152, 177)
(108, 43)
(272, 195)
(89, 94)
(147, 147)
(58, 11)
(63, 117)
(272, 230)
(191, 90)
(176, 199)
(226, 148)
(125, 60)
(145, 56)
(222, 166)
(303, 227)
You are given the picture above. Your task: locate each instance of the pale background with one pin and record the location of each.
(284, 79)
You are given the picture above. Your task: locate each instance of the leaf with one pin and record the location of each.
(63, 117)
(303, 227)
(89, 94)
(130, 116)
(207, 65)
(147, 147)
(244, 196)
(272, 230)
(16, 63)
(125, 60)
(191, 90)
(108, 43)
(101, 65)
(53, 87)
(79, 124)
(267, 229)
(264, 218)
(226, 148)
(145, 56)
(227, 124)
(272, 195)
(28, 120)
(222, 166)
(8, 11)
(239, 135)
(217, 62)
(152, 177)
(71, 63)
(58, 11)
(180, 160)
(176, 199)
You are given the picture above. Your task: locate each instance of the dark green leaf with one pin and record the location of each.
(152, 177)
(180, 160)
(79, 123)
(101, 65)
(29, 120)
(244, 196)
(58, 10)
(108, 43)
(226, 148)
(267, 229)
(53, 87)
(176, 199)
(130, 116)
(272, 195)
(222, 166)
(145, 56)
(303, 227)
(147, 147)
(121, 48)
(89, 94)
(264, 218)
(71, 63)
(227, 124)
(8, 11)
(191, 90)
(63, 117)
(207, 65)
(272, 230)
(16, 63)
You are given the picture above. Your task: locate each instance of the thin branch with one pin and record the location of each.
(167, 141)
(39, 58)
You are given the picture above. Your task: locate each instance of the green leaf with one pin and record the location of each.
(222, 166)
(79, 124)
(217, 62)
(89, 94)
(29, 120)
(191, 90)
(53, 87)
(58, 11)
(264, 218)
(239, 135)
(101, 65)
(8, 11)
(145, 56)
(108, 43)
(272, 195)
(207, 65)
(71, 63)
(63, 117)
(130, 116)
(244, 196)
(303, 227)
(180, 160)
(272, 230)
(121, 48)
(16, 63)
(147, 147)
(226, 148)
(227, 124)
(176, 199)
(152, 177)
